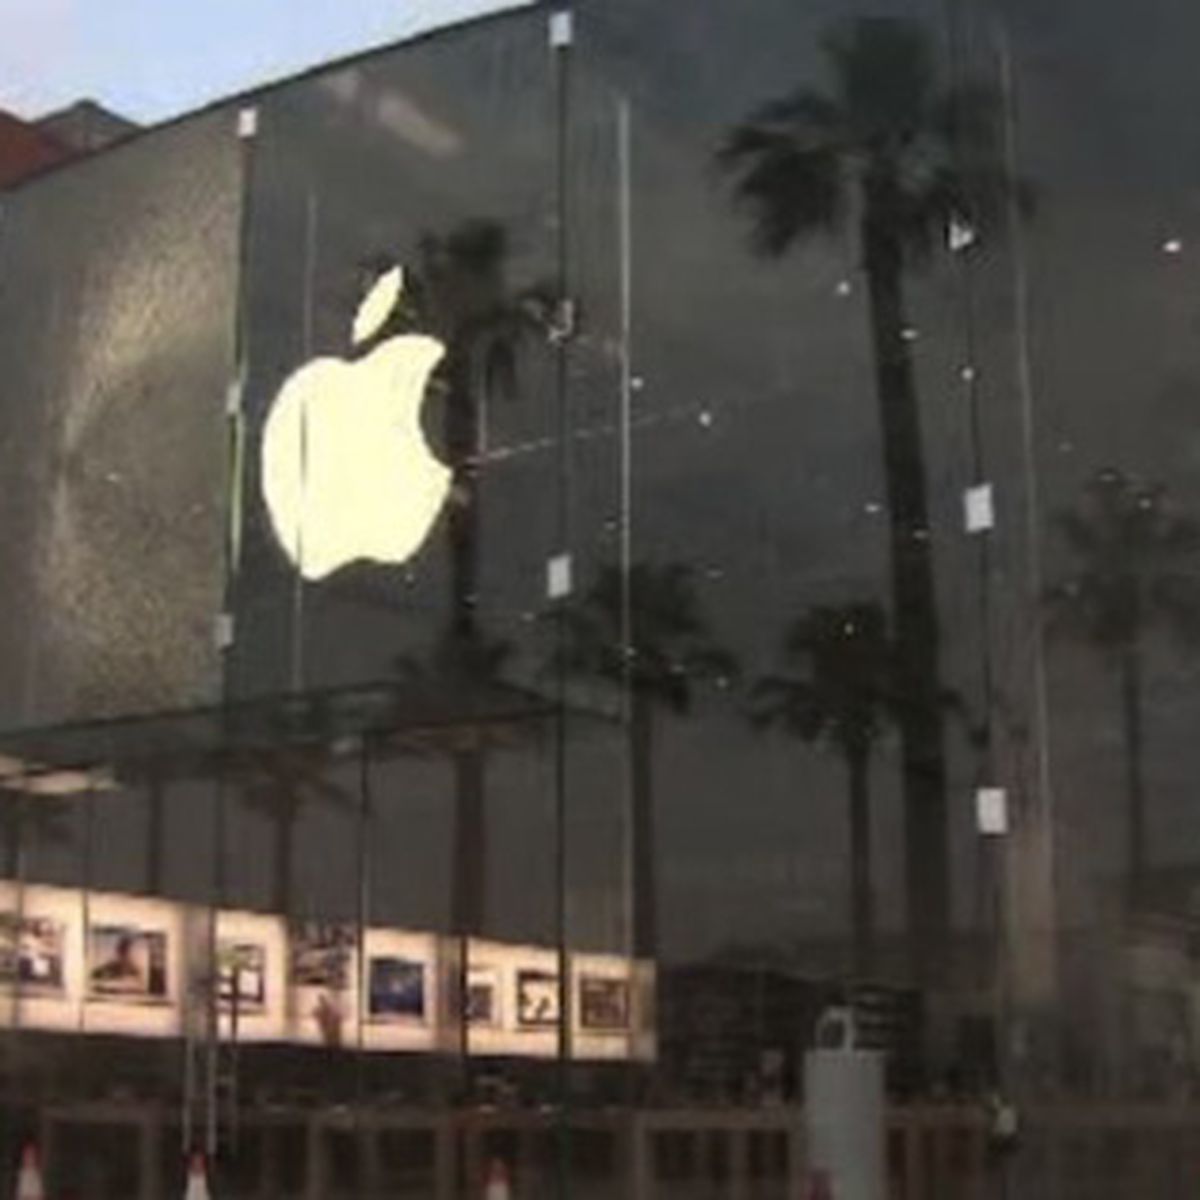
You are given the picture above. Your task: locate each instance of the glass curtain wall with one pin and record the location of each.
(677, 520)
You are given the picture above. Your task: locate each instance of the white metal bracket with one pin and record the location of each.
(558, 577)
(991, 811)
(979, 508)
(223, 630)
(562, 29)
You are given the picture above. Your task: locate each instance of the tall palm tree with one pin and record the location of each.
(464, 670)
(462, 294)
(903, 158)
(279, 786)
(839, 688)
(660, 652)
(1137, 569)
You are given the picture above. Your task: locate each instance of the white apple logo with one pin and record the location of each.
(346, 471)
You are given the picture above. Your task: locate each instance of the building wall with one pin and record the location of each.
(119, 302)
(718, 441)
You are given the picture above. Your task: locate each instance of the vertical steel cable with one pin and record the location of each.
(562, 114)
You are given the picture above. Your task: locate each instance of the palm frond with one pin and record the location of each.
(789, 704)
(671, 649)
(844, 685)
(797, 162)
(1137, 563)
(788, 193)
(786, 165)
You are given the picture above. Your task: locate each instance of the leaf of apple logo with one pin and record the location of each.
(346, 471)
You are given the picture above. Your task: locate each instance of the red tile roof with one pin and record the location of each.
(25, 149)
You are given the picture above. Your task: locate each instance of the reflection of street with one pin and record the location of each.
(97, 1152)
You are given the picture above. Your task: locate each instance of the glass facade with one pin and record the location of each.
(551, 565)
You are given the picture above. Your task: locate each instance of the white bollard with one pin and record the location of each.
(497, 1185)
(845, 1115)
(197, 1179)
(30, 1185)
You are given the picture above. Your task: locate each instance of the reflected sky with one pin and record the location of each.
(151, 61)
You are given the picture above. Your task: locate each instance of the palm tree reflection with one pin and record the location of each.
(840, 689)
(462, 293)
(903, 159)
(647, 633)
(1137, 568)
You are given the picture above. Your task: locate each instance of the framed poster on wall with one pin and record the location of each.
(395, 989)
(32, 953)
(127, 964)
(322, 957)
(242, 976)
(537, 999)
(603, 1004)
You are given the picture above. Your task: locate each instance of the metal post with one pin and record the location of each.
(212, 1020)
(561, 39)
(311, 216)
(362, 917)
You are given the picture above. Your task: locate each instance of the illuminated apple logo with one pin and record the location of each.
(346, 471)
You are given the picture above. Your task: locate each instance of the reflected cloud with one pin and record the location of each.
(392, 112)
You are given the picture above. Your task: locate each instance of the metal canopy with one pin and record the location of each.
(397, 719)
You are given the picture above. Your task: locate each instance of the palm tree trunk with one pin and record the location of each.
(914, 599)
(862, 906)
(470, 850)
(470, 862)
(644, 897)
(1135, 787)
(468, 890)
(285, 836)
(156, 815)
(461, 433)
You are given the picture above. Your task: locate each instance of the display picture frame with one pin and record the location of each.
(397, 989)
(604, 1004)
(32, 954)
(537, 999)
(128, 963)
(242, 965)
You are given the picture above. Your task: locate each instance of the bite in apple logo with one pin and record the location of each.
(346, 471)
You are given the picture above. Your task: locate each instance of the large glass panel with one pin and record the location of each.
(700, 501)
(434, 159)
(1106, 362)
(770, 237)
